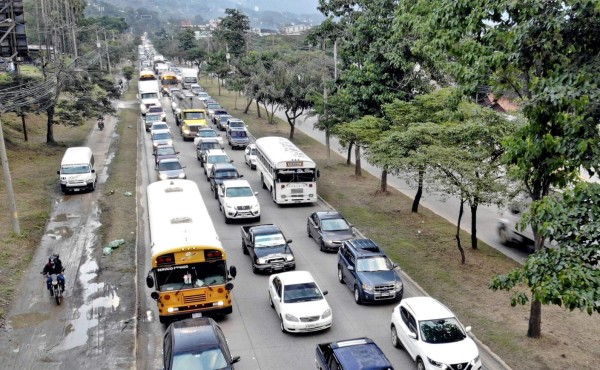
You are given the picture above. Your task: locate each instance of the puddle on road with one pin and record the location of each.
(99, 299)
(104, 175)
(29, 319)
(60, 232)
(63, 217)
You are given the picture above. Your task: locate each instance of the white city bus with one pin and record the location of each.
(288, 173)
(189, 265)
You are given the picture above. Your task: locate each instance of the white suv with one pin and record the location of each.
(214, 156)
(237, 200)
(433, 336)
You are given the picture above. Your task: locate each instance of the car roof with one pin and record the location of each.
(158, 123)
(364, 355)
(295, 277)
(169, 159)
(215, 152)
(236, 183)
(224, 166)
(427, 308)
(208, 140)
(232, 119)
(152, 114)
(163, 131)
(238, 129)
(365, 247)
(251, 146)
(323, 215)
(206, 129)
(194, 333)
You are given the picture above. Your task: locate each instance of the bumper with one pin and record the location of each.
(332, 245)
(204, 312)
(242, 214)
(307, 327)
(239, 144)
(275, 267)
(387, 296)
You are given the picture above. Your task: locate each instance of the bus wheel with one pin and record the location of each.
(273, 195)
(262, 180)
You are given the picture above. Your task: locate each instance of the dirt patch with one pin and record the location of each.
(424, 246)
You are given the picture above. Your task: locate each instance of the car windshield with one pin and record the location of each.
(160, 126)
(207, 146)
(441, 331)
(202, 94)
(224, 117)
(169, 166)
(149, 96)
(236, 124)
(269, 240)
(218, 159)
(301, 293)
(161, 136)
(334, 224)
(207, 133)
(214, 106)
(193, 115)
(239, 192)
(155, 109)
(252, 151)
(165, 151)
(152, 117)
(238, 134)
(230, 174)
(74, 169)
(203, 358)
(370, 264)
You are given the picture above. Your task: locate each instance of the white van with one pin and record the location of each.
(77, 170)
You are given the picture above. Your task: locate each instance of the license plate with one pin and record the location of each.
(387, 294)
(197, 314)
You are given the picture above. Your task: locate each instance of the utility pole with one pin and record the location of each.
(98, 45)
(107, 54)
(8, 181)
(335, 59)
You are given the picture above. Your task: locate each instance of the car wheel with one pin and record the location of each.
(503, 235)
(271, 302)
(340, 275)
(420, 364)
(254, 269)
(357, 295)
(394, 336)
(227, 219)
(244, 249)
(207, 178)
(322, 245)
(216, 194)
(282, 327)
(308, 231)
(257, 219)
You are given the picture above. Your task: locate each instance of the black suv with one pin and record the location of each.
(365, 269)
(220, 172)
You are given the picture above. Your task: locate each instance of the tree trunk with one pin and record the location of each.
(24, 126)
(248, 106)
(258, 110)
(219, 84)
(474, 226)
(417, 200)
(328, 145)
(49, 125)
(383, 181)
(349, 156)
(292, 128)
(357, 166)
(535, 319)
(235, 100)
(460, 248)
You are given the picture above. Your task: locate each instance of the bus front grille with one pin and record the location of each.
(190, 299)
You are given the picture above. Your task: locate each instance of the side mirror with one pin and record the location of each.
(350, 268)
(58, 172)
(241, 176)
(154, 295)
(288, 241)
(229, 286)
(412, 335)
(235, 359)
(93, 171)
(231, 161)
(149, 281)
(325, 292)
(318, 174)
(233, 271)
(468, 329)
(256, 193)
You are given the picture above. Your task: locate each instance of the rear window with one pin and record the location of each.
(238, 134)
(207, 146)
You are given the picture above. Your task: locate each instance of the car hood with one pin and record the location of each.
(337, 235)
(166, 156)
(304, 309)
(272, 251)
(378, 277)
(451, 353)
(171, 172)
(242, 201)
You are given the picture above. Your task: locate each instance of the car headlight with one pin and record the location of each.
(289, 257)
(256, 206)
(367, 288)
(186, 131)
(326, 314)
(89, 181)
(228, 206)
(398, 285)
(170, 142)
(261, 261)
(182, 175)
(435, 363)
(289, 317)
(162, 176)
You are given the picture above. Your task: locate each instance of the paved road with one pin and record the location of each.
(253, 328)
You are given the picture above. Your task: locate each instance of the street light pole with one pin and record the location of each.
(8, 181)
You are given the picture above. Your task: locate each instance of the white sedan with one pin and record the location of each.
(298, 302)
(250, 156)
(433, 336)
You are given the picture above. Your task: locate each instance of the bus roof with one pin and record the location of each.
(170, 74)
(280, 152)
(179, 218)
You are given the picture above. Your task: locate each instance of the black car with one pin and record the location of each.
(220, 172)
(197, 343)
(164, 152)
(203, 145)
(218, 112)
(368, 272)
(329, 229)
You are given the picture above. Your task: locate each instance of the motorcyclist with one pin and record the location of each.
(54, 266)
(100, 123)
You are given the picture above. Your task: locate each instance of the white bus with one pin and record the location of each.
(288, 173)
(189, 265)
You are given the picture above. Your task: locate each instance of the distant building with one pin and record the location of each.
(264, 31)
(295, 29)
(185, 23)
(214, 23)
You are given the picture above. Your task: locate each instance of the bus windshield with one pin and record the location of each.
(193, 275)
(296, 175)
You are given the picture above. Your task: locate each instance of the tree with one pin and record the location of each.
(362, 132)
(567, 274)
(218, 65)
(232, 32)
(546, 54)
(197, 55)
(128, 73)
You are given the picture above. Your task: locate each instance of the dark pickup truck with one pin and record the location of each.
(268, 248)
(351, 354)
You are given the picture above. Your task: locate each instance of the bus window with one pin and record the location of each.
(299, 175)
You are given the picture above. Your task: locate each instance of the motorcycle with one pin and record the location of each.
(56, 287)
(101, 124)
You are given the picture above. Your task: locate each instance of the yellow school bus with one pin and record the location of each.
(189, 272)
(167, 80)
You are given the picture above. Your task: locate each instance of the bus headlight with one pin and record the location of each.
(186, 131)
(220, 303)
(172, 309)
